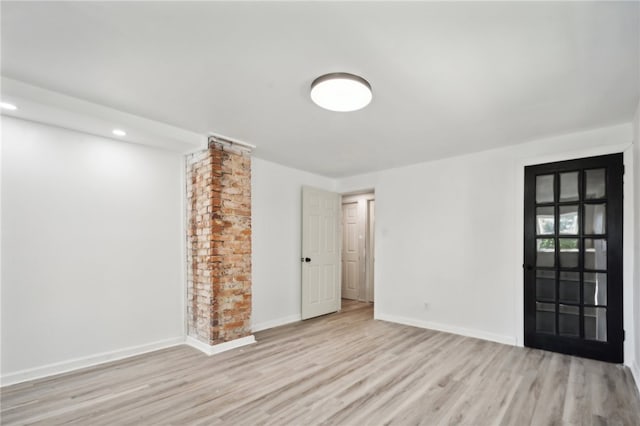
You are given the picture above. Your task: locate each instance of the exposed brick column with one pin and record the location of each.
(219, 243)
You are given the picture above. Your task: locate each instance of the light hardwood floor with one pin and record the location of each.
(342, 369)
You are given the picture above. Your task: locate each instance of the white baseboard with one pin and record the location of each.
(89, 361)
(478, 334)
(222, 347)
(276, 323)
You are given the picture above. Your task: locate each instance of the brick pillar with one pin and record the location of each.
(219, 243)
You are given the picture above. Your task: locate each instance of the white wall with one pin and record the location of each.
(86, 220)
(276, 239)
(449, 234)
(92, 238)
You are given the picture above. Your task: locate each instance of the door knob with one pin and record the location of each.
(307, 259)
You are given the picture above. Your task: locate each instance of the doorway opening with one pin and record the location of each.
(357, 254)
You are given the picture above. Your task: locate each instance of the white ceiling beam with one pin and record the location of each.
(53, 108)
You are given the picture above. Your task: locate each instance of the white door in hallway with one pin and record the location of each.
(320, 252)
(350, 251)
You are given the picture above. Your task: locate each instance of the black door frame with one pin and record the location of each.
(613, 349)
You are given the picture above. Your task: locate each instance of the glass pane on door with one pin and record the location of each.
(569, 221)
(569, 252)
(545, 285)
(595, 184)
(546, 318)
(569, 186)
(569, 287)
(595, 288)
(545, 221)
(595, 219)
(544, 189)
(595, 254)
(595, 324)
(546, 256)
(569, 321)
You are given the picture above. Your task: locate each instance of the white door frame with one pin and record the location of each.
(366, 267)
(371, 245)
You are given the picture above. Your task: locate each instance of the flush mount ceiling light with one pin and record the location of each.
(340, 91)
(119, 132)
(8, 106)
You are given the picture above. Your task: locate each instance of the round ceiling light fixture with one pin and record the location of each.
(341, 91)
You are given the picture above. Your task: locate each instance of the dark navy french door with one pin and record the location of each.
(573, 257)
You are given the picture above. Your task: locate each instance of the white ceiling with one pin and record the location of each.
(448, 78)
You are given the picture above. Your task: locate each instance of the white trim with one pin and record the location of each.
(183, 244)
(629, 257)
(1, 257)
(222, 347)
(370, 256)
(89, 361)
(477, 334)
(265, 325)
(635, 372)
(576, 154)
(354, 198)
(222, 139)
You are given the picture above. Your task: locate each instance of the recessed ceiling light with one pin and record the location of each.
(8, 106)
(119, 132)
(341, 92)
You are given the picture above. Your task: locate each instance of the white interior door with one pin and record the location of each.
(350, 251)
(320, 252)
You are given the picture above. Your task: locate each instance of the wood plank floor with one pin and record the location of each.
(344, 369)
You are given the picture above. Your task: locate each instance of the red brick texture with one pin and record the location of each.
(219, 243)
